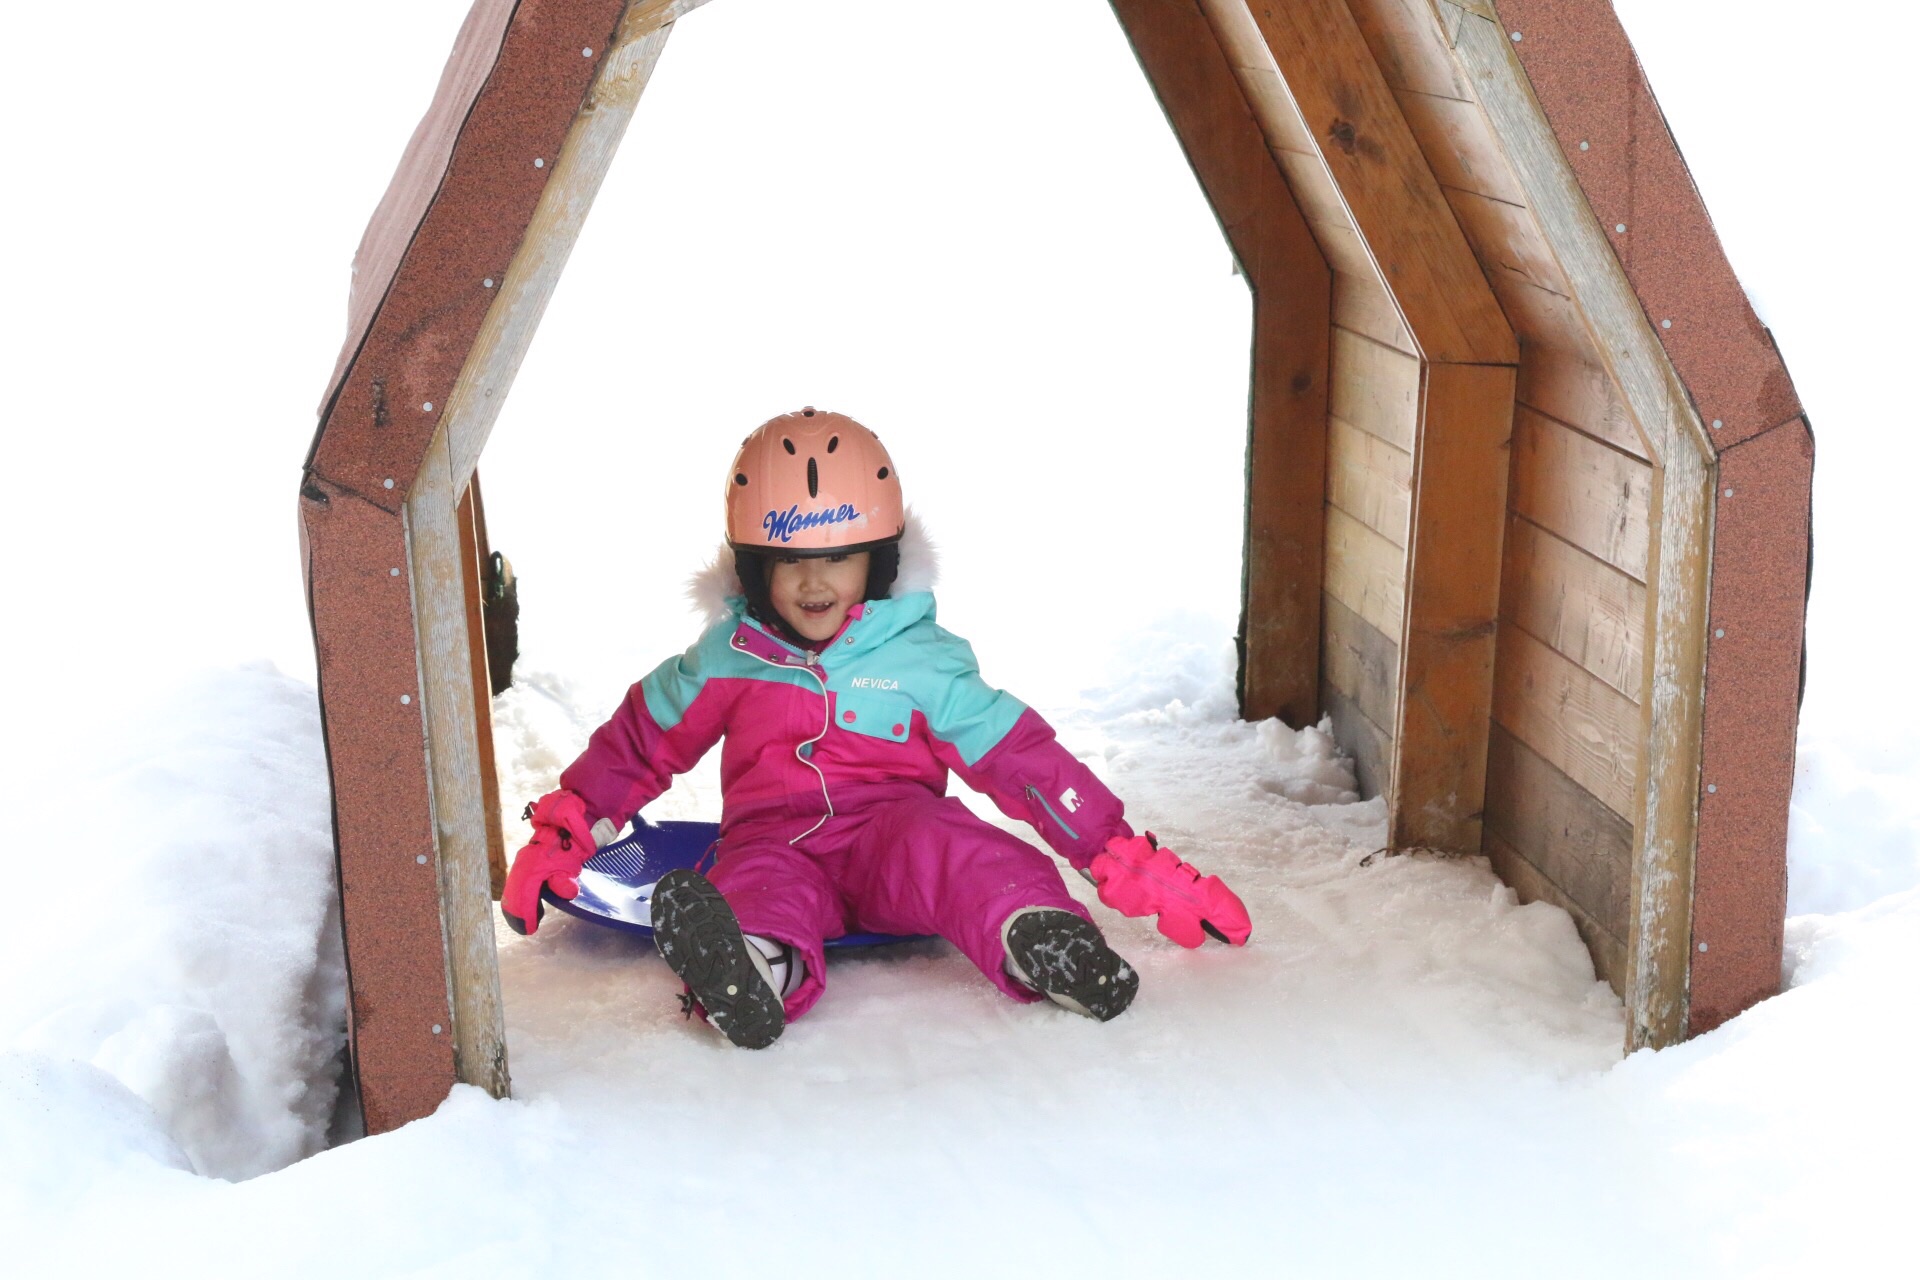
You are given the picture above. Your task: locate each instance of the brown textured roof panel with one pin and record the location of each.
(376, 751)
(1584, 72)
(378, 424)
(1757, 617)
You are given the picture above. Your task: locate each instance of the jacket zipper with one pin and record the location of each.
(1035, 793)
(826, 713)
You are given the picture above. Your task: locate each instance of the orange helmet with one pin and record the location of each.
(812, 484)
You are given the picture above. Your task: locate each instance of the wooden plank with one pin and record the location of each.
(1505, 238)
(1586, 609)
(1572, 387)
(1608, 951)
(1313, 187)
(1659, 948)
(1584, 728)
(1370, 480)
(1562, 829)
(1376, 388)
(1365, 572)
(1273, 106)
(1460, 144)
(1360, 662)
(1597, 498)
(1279, 634)
(1395, 203)
(1412, 48)
(1361, 738)
(444, 644)
(1342, 247)
(473, 554)
(1364, 306)
(1452, 606)
(1539, 316)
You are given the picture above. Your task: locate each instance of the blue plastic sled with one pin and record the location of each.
(616, 885)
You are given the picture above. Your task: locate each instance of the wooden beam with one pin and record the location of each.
(1280, 610)
(1395, 203)
(1452, 608)
(473, 555)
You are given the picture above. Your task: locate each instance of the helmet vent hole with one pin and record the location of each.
(883, 473)
(787, 445)
(807, 412)
(739, 477)
(833, 442)
(813, 478)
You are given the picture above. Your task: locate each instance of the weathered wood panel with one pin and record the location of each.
(1375, 388)
(1453, 602)
(473, 551)
(1597, 498)
(1370, 480)
(1608, 951)
(1563, 830)
(1408, 42)
(1365, 572)
(1586, 609)
(1372, 754)
(1570, 386)
(1361, 663)
(1383, 179)
(1363, 306)
(1579, 724)
(1505, 238)
(1460, 145)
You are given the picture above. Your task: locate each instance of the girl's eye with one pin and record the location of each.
(836, 559)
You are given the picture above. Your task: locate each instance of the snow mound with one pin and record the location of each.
(197, 959)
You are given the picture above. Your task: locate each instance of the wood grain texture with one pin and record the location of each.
(1506, 239)
(1259, 77)
(1571, 386)
(1584, 728)
(1608, 951)
(473, 554)
(1585, 609)
(1563, 830)
(1365, 572)
(1394, 201)
(441, 565)
(1411, 46)
(1370, 480)
(1459, 142)
(1194, 79)
(1375, 388)
(1372, 753)
(1363, 306)
(1362, 663)
(1594, 497)
(1452, 607)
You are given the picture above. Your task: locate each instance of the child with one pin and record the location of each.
(844, 707)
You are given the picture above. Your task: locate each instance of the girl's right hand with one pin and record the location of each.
(562, 842)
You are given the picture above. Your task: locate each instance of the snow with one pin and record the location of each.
(1406, 1071)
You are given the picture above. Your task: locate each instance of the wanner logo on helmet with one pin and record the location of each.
(782, 525)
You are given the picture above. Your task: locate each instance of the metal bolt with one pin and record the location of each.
(1719, 633)
(539, 163)
(393, 573)
(436, 1028)
(406, 699)
(1711, 788)
(420, 858)
(1726, 493)
(1666, 324)
(1583, 144)
(388, 482)
(1703, 948)
(1716, 424)
(586, 53)
(487, 283)
(426, 406)
(1620, 227)
(1516, 37)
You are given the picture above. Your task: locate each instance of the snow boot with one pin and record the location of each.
(1066, 960)
(697, 933)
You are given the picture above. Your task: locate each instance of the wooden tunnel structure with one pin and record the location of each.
(1527, 482)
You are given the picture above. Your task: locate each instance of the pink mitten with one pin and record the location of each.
(562, 842)
(1138, 878)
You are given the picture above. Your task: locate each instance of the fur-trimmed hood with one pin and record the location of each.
(712, 587)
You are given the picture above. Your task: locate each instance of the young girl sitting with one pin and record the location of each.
(844, 707)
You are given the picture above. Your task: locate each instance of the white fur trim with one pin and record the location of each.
(710, 588)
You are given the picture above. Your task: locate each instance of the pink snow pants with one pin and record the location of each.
(923, 864)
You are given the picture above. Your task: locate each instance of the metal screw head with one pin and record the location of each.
(487, 283)
(393, 573)
(1726, 493)
(420, 858)
(1716, 424)
(1719, 633)
(387, 483)
(1703, 946)
(1516, 37)
(1620, 227)
(406, 699)
(436, 1028)
(586, 53)
(539, 163)
(426, 406)
(1711, 788)
(1584, 146)
(1666, 324)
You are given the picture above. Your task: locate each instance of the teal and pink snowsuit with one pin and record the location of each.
(834, 778)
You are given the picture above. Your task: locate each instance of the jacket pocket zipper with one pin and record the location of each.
(1035, 793)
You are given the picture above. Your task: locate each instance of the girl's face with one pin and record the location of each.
(812, 594)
